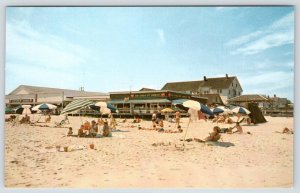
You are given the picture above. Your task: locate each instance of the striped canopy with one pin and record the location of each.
(76, 105)
(44, 106)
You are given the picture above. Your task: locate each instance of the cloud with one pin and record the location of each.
(280, 32)
(27, 45)
(161, 35)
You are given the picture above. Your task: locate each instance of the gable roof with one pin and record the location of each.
(249, 98)
(213, 83)
(47, 90)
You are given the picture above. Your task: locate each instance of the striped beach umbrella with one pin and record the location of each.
(241, 110)
(76, 105)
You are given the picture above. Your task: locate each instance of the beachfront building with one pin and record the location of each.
(261, 100)
(34, 95)
(147, 102)
(227, 87)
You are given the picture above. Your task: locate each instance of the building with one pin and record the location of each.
(34, 95)
(261, 100)
(227, 87)
(213, 99)
(279, 103)
(147, 102)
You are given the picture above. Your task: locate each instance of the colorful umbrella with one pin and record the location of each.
(221, 109)
(44, 106)
(241, 110)
(167, 110)
(24, 110)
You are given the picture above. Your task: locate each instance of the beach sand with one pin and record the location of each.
(130, 160)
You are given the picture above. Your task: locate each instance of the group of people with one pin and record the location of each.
(92, 129)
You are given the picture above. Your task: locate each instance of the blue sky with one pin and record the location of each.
(121, 48)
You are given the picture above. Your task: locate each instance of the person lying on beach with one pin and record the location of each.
(106, 130)
(144, 128)
(221, 119)
(124, 121)
(179, 130)
(136, 120)
(229, 120)
(214, 136)
(229, 130)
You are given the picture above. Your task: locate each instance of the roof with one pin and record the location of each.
(46, 90)
(211, 97)
(248, 98)
(147, 89)
(213, 83)
(140, 101)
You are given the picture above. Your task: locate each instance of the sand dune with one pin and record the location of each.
(130, 160)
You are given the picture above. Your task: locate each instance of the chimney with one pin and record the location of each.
(226, 75)
(205, 79)
(274, 95)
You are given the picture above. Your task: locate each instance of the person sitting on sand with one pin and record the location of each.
(94, 129)
(287, 131)
(214, 136)
(221, 119)
(100, 122)
(124, 121)
(70, 132)
(81, 132)
(48, 119)
(106, 130)
(87, 125)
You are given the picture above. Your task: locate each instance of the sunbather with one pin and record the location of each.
(287, 131)
(48, 119)
(70, 132)
(81, 131)
(214, 136)
(106, 130)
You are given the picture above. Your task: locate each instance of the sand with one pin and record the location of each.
(130, 160)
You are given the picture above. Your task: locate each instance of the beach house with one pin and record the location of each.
(227, 87)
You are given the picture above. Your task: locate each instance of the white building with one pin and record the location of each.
(34, 95)
(227, 87)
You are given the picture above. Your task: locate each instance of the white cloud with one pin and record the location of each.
(280, 32)
(161, 35)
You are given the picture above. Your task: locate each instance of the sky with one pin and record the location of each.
(107, 49)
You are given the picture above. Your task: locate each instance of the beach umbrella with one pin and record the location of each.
(221, 109)
(167, 110)
(9, 110)
(44, 106)
(24, 109)
(76, 105)
(186, 104)
(241, 110)
(106, 107)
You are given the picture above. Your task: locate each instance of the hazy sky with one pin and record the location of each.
(121, 48)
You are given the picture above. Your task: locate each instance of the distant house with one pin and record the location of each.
(227, 87)
(279, 103)
(261, 100)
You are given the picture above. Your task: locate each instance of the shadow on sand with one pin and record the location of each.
(219, 143)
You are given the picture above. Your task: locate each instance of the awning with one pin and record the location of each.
(140, 101)
(76, 105)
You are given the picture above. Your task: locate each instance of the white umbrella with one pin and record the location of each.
(241, 110)
(44, 106)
